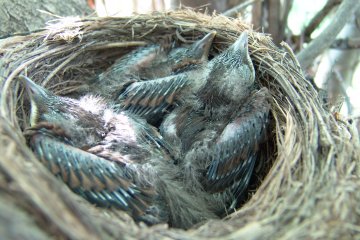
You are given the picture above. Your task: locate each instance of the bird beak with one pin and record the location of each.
(34, 90)
(241, 43)
(202, 47)
(37, 96)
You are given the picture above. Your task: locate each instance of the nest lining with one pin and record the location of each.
(310, 191)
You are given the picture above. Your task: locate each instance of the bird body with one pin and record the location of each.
(150, 62)
(125, 70)
(152, 99)
(167, 80)
(179, 59)
(125, 164)
(102, 182)
(215, 131)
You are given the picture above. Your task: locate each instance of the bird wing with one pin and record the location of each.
(100, 181)
(125, 70)
(147, 134)
(234, 155)
(181, 129)
(138, 59)
(149, 98)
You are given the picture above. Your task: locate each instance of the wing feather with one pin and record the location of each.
(151, 98)
(100, 181)
(233, 157)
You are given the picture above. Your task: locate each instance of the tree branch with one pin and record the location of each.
(346, 43)
(327, 37)
(287, 8)
(274, 20)
(256, 15)
(319, 17)
(235, 10)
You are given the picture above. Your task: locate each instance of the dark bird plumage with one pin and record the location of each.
(101, 182)
(111, 159)
(125, 70)
(215, 132)
(151, 99)
(179, 59)
(150, 62)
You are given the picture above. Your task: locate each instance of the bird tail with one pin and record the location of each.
(185, 208)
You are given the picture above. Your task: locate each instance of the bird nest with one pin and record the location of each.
(308, 186)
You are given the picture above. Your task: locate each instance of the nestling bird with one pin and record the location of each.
(124, 71)
(180, 59)
(215, 132)
(149, 62)
(111, 159)
(151, 99)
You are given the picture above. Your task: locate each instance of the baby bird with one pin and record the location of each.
(111, 159)
(216, 131)
(124, 71)
(151, 99)
(180, 59)
(149, 62)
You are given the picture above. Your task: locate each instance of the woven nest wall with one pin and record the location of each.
(309, 187)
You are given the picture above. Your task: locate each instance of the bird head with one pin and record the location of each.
(195, 54)
(80, 119)
(201, 48)
(232, 73)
